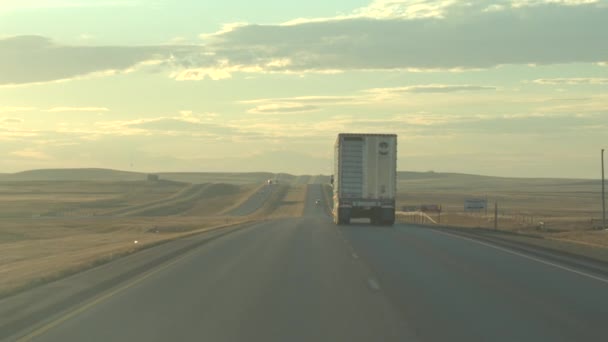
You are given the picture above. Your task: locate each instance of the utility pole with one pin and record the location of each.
(439, 217)
(603, 195)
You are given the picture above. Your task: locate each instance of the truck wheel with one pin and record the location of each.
(374, 217)
(388, 216)
(389, 223)
(343, 217)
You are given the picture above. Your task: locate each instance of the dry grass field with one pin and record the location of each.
(561, 203)
(566, 207)
(51, 228)
(51, 225)
(34, 251)
(107, 175)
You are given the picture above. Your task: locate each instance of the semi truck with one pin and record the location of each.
(365, 178)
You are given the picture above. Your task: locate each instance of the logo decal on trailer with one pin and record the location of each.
(383, 148)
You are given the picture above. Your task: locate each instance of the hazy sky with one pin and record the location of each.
(509, 88)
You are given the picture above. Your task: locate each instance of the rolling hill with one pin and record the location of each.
(406, 179)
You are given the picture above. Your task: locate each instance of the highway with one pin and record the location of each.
(304, 279)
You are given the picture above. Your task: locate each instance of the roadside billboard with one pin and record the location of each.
(475, 204)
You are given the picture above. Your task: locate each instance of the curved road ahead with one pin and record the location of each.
(304, 279)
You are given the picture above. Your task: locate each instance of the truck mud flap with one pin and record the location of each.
(343, 216)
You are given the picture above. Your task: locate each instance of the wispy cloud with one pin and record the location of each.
(177, 124)
(456, 29)
(186, 124)
(283, 108)
(36, 59)
(29, 153)
(11, 120)
(572, 81)
(225, 70)
(198, 74)
(394, 9)
(431, 89)
(353, 42)
(592, 106)
(16, 109)
(524, 3)
(320, 99)
(76, 109)
(298, 104)
(13, 5)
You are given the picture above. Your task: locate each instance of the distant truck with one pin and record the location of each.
(365, 178)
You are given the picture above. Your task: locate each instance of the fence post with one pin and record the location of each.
(495, 215)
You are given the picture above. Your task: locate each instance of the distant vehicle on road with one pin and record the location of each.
(317, 202)
(365, 178)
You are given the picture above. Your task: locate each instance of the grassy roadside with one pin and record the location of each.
(31, 272)
(328, 194)
(572, 247)
(37, 250)
(597, 251)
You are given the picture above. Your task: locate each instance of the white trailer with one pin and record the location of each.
(365, 178)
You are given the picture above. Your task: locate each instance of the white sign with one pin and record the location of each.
(366, 204)
(475, 204)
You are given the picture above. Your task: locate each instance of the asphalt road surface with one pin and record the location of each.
(304, 279)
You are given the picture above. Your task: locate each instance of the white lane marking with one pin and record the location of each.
(565, 268)
(75, 311)
(373, 284)
(102, 297)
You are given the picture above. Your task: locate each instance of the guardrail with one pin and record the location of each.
(416, 216)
